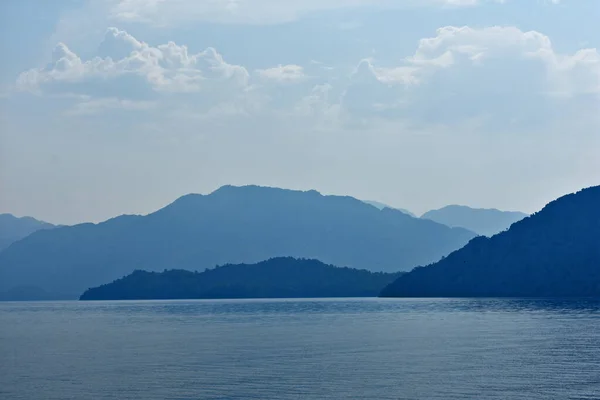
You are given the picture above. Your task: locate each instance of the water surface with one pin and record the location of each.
(301, 349)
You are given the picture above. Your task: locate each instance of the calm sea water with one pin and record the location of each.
(301, 349)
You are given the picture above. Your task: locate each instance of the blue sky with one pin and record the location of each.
(120, 106)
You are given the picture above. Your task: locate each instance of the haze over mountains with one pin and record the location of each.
(486, 222)
(16, 228)
(381, 206)
(482, 221)
(553, 253)
(231, 225)
(284, 277)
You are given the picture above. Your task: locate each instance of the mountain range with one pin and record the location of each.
(284, 277)
(553, 253)
(486, 222)
(231, 225)
(482, 221)
(14, 228)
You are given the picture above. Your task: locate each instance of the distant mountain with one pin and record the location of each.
(381, 206)
(14, 228)
(482, 221)
(231, 225)
(276, 278)
(554, 253)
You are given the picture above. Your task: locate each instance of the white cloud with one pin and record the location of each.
(573, 74)
(283, 73)
(461, 72)
(455, 46)
(166, 68)
(502, 73)
(320, 105)
(477, 44)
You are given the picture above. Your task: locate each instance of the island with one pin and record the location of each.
(283, 277)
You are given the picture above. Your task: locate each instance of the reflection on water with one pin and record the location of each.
(302, 349)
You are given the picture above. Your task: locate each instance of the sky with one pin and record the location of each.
(112, 107)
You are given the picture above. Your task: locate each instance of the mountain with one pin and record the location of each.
(284, 277)
(482, 221)
(381, 206)
(231, 225)
(553, 253)
(14, 228)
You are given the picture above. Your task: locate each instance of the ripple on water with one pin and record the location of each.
(302, 349)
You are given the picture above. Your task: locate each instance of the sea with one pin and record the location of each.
(301, 349)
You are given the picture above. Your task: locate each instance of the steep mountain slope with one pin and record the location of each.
(485, 222)
(14, 228)
(555, 252)
(275, 278)
(231, 225)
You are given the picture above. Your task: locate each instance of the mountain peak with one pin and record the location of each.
(257, 189)
(228, 195)
(14, 228)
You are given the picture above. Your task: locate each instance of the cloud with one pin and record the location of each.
(314, 103)
(459, 46)
(127, 73)
(283, 73)
(504, 73)
(165, 68)
(501, 73)
(368, 90)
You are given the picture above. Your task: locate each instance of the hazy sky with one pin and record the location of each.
(121, 106)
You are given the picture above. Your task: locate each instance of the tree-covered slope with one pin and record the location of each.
(555, 252)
